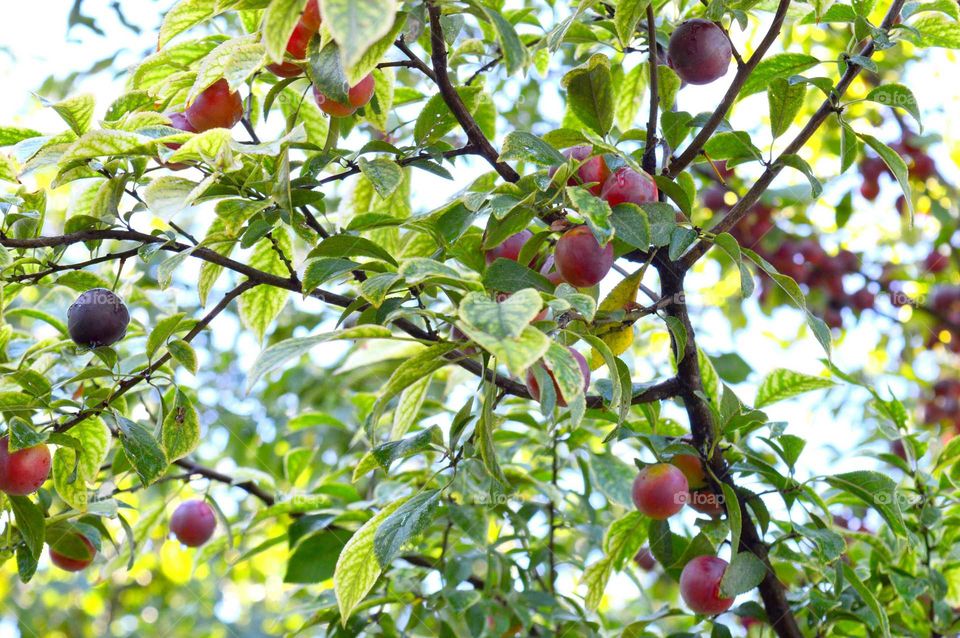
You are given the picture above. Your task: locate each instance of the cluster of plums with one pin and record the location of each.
(920, 167)
(578, 258)
(660, 491)
(23, 472)
(219, 107)
(807, 263)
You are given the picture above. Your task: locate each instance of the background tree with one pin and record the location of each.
(428, 344)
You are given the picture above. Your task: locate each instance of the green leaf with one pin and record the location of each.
(142, 449)
(501, 320)
(869, 598)
(613, 478)
(357, 24)
(896, 164)
(74, 470)
(669, 85)
(795, 161)
(729, 244)
(514, 53)
(937, 31)
(785, 101)
(781, 65)
(314, 558)
(180, 432)
(629, 95)
(261, 305)
(680, 239)
(279, 353)
(743, 574)
(279, 20)
(783, 384)
(626, 18)
(30, 522)
(10, 135)
(235, 61)
(436, 119)
(631, 225)
(897, 96)
(406, 523)
(590, 93)
(413, 369)
(351, 246)
(523, 146)
(507, 275)
(77, 112)
(875, 490)
(595, 211)
(183, 353)
(323, 269)
(22, 435)
(184, 15)
(385, 175)
(367, 63)
(162, 331)
(408, 407)
(357, 567)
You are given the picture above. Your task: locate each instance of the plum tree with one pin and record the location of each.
(592, 170)
(700, 585)
(660, 491)
(509, 248)
(24, 471)
(193, 523)
(97, 318)
(358, 95)
(580, 259)
(534, 388)
(699, 51)
(74, 563)
(627, 186)
(216, 107)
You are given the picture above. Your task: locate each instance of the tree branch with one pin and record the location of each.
(677, 164)
(438, 56)
(828, 106)
(650, 148)
(704, 433)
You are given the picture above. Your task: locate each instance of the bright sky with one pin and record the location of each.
(36, 33)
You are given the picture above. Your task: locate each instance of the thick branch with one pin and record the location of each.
(663, 390)
(828, 106)
(650, 149)
(703, 428)
(438, 56)
(677, 164)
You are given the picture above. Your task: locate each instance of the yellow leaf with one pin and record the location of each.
(625, 292)
(619, 342)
